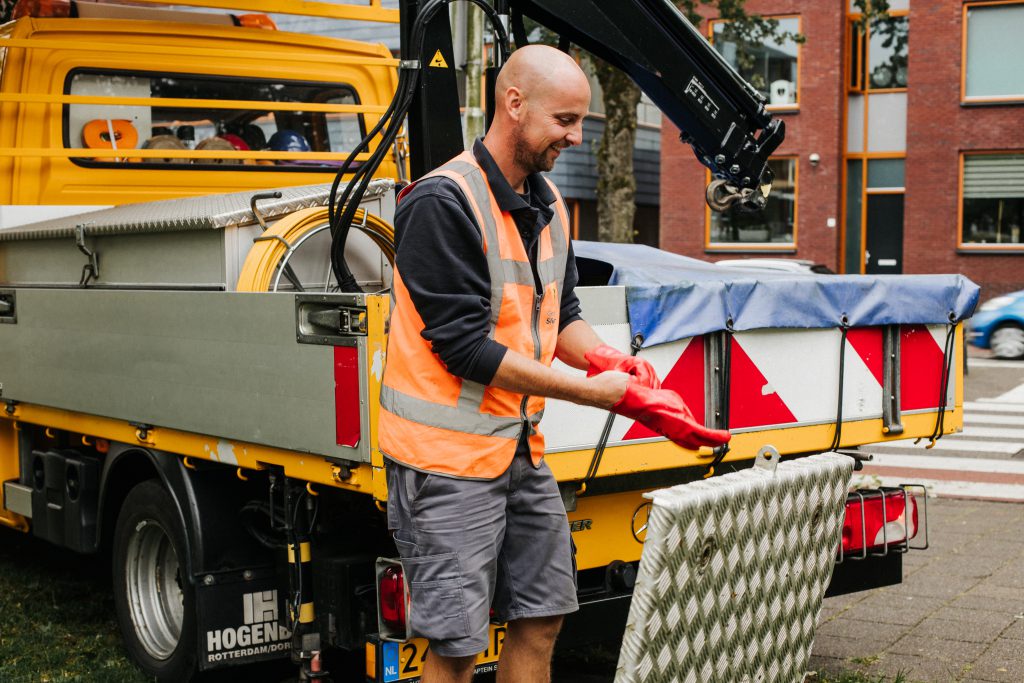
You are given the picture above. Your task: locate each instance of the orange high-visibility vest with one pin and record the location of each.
(435, 421)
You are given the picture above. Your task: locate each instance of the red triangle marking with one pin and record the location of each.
(920, 368)
(685, 377)
(748, 406)
(867, 342)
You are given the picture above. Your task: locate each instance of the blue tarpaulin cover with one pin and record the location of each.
(672, 297)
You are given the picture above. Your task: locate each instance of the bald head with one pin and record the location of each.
(538, 70)
(541, 98)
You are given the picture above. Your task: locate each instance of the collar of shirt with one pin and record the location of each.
(529, 218)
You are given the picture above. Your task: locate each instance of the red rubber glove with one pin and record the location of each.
(604, 357)
(664, 411)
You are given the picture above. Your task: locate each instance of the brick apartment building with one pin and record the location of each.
(904, 150)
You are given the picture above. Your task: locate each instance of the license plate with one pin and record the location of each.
(404, 661)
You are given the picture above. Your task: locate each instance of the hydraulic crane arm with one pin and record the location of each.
(720, 115)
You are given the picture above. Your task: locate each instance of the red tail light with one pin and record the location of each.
(878, 518)
(391, 593)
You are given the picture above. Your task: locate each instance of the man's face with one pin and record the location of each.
(549, 123)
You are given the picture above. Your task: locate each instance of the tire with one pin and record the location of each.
(154, 601)
(1008, 342)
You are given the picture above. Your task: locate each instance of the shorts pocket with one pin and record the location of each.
(575, 569)
(437, 606)
(405, 546)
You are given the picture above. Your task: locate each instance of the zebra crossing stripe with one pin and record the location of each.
(972, 419)
(993, 433)
(1015, 395)
(937, 462)
(992, 363)
(992, 407)
(945, 488)
(953, 444)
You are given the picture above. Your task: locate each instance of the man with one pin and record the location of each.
(483, 303)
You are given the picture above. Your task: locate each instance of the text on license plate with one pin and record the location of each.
(404, 661)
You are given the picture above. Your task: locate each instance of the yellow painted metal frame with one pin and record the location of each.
(969, 246)
(125, 154)
(609, 535)
(371, 10)
(183, 103)
(305, 466)
(964, 99)
(9, 471)
(212, 52)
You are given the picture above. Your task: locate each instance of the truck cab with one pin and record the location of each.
(109, 104)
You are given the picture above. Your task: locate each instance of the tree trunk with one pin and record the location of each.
(616, 184)
(474, 127)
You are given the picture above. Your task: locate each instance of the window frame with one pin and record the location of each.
(864, 54)
(972, 247)
(187, 164)
(966, 100)
(758, 247)
(778, 108)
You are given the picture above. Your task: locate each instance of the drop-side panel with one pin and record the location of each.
(218, 363)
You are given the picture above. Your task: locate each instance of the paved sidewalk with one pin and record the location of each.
(957, 616)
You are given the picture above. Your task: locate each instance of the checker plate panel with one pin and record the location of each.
(732, 575)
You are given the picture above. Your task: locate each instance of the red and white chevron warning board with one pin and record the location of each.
(779, 378)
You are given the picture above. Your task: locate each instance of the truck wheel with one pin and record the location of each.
(1008, 342)
(154, 601)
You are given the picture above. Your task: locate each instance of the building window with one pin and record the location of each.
(250, 127)
(771, 67)
(993, 199)
(773, 228)
(878, 55)
(994, 52)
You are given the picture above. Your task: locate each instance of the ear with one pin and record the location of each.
(515, 103)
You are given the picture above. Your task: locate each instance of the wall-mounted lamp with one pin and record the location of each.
(815, 159)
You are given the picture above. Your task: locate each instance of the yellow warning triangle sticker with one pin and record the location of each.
(438, 61)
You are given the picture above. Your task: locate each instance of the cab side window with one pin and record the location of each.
(205, 122)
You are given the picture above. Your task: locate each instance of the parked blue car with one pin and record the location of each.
(999, 325)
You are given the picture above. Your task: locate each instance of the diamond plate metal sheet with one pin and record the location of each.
(209, 212)
(732, 575)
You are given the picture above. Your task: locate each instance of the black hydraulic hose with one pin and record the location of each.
(838, 436)
(341, 211)
(602, 441)
(947, 368)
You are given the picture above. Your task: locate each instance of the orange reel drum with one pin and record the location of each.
(110, 134)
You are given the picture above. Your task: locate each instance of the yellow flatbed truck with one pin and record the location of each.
(184, 387)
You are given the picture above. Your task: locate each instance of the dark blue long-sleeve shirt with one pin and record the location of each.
(441, 258)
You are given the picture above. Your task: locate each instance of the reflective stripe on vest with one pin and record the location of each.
(435, 421)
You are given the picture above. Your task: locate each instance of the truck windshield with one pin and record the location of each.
(213, 123)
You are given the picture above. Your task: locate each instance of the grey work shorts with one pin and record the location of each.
(469, 545)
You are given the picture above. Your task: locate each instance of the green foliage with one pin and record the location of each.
(871, 10)
(746, 31)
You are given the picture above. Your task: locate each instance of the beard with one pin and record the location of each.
(531, 160)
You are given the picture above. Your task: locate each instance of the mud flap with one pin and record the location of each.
(242, 617)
